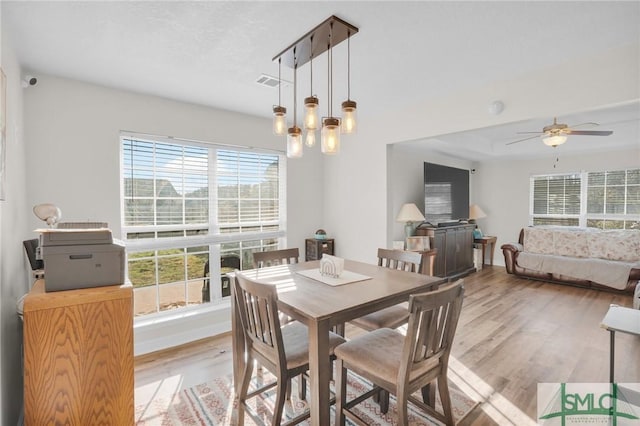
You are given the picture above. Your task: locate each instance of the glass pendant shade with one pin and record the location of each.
(349, 117)
(279, 120)
(554, 140)
(294, 143)
(310, 139)
(311, 113)
(330, 136)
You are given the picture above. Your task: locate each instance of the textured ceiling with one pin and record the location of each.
(211, 52)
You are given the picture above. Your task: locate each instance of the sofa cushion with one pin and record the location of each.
(571, 243)
(621, 245)
(538, 240)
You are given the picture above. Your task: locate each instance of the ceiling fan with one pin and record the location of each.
(556, 133)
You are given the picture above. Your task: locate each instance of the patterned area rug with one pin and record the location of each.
(213, 403)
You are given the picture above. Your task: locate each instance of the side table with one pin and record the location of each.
(487, 241)
(625, 320)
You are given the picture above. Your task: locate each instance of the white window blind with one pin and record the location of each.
(607, 199)
(186, 203)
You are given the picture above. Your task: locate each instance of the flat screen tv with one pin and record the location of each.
(446, 193)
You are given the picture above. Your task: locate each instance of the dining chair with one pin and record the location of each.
(396, 315)
(403, 364)
(282, 350)
(262, 259)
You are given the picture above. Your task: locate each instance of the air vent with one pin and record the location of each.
(270, 81)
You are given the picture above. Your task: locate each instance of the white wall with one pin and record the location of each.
(405, 180)
(13, 230)
(72, 133)
(356, 209)
(502, 187)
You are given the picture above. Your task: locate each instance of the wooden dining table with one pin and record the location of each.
(321, 306)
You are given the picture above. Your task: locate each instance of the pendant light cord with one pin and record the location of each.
(348, 65)
(330, 71)
(311, 64)
(295, 72)
(279, 81)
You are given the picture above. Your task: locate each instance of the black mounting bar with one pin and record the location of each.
(320, 37)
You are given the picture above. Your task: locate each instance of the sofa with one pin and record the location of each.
(586, 257)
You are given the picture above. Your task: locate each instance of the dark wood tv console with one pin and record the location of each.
(455, 249)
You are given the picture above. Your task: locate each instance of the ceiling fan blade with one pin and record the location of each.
(590, 132)
(528, 133)
(522, 140)
(589, 123)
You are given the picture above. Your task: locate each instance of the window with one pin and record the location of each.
(184, 205)
(606, 200)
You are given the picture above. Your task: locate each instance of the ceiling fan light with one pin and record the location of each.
(294, 143)
(279, 120)
(330, 140)
(349, 117)
(554, 140)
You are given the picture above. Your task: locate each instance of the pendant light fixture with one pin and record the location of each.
(279, 112)
(311, 107)
(349, 112)
(294, 135)
(330, 125)
(329, 33)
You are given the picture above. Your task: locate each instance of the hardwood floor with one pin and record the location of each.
(513, 334)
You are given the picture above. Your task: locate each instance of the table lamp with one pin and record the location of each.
(409, 213)
(475, 212)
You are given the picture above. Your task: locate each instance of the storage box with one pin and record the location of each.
(69, 267)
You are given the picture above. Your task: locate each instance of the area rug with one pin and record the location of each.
(213, 403)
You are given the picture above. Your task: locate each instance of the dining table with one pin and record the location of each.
(303, 296)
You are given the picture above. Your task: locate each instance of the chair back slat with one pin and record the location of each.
(263, 259)
(432, 324)
(257, 305)
(409, 261)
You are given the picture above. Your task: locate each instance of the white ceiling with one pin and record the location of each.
(212, 52)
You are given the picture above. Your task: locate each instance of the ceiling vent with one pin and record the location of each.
(270, 81)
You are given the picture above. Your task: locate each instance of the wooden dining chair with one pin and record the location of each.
(403, 364)
(397, 315)
(262, 259)
(281, 350)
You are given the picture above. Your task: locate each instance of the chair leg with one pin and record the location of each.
(244, 387)
(341, 389)
(401, 405)
(384, 401)
(279, 402)
(302, 387)
(445, 398)
(429, 395)
(289, 387)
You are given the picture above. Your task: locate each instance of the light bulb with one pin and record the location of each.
(330, 136)
(279, 120)
(349, 117)
(294, 143)
(311, 113)
(310, 140)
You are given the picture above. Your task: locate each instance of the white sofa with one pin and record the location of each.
(585, 257)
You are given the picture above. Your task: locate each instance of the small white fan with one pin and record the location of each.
(49, 213)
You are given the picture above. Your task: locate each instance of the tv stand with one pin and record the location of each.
(454, 243)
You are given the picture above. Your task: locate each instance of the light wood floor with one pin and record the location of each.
(513, 334)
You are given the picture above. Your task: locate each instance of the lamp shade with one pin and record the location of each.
(475, 212)
(409, 212)
(554, 140)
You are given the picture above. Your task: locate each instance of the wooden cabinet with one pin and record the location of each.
(78, 356)
(314, 248)
(455, 249)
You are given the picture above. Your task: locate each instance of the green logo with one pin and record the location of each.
(588, 403)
